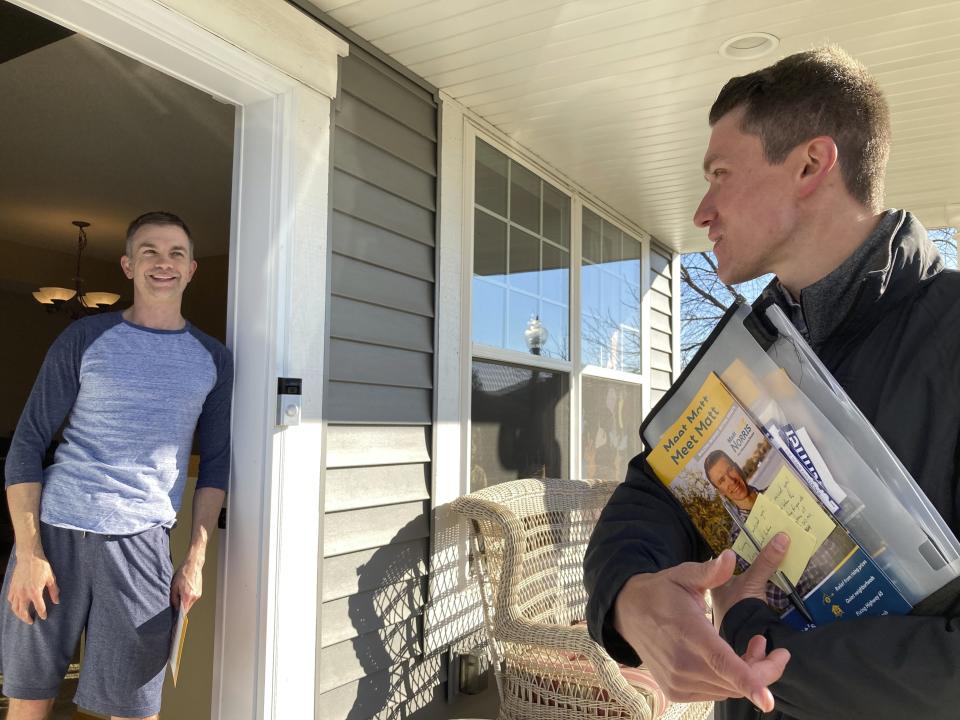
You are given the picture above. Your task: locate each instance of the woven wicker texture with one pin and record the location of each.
(531, 536)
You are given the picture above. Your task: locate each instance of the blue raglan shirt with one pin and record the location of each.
(132, 398)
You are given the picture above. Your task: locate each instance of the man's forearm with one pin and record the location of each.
(24, 502)
(206, 509)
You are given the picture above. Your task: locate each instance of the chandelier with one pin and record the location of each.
(75, 301)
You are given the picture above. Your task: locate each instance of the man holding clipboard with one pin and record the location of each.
(795, 170)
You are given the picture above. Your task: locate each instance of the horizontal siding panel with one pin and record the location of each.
(357, 403)
(660, 303)
(377, 246)
(660, 340)
(661, 322)
(660, 380)
(397, 692)
(350, 617)
(361, 363)
(367, 283)
(661, 284)
(369, 163)
(368, 569)
(367, 202)
(661, 361)
(375, 88)
(659, 263)
(363, 445)
(352, 530)
(354, 320)
(655, 396)
(378, 128)
(353, 659)
(360, 487)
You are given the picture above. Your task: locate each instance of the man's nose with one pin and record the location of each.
(705, 213)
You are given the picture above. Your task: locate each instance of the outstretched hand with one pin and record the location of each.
(663, 617)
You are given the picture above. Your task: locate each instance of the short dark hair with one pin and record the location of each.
(818, 92)
(715, 457)
(156, 217)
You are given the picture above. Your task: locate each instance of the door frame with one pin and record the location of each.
(267, 618)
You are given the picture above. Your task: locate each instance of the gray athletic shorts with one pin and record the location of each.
(118, 588)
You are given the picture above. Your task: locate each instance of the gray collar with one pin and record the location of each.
(826, 303)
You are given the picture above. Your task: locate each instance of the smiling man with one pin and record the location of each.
(795, 169)
(92, 530)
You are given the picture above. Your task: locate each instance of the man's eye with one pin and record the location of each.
(718, 172)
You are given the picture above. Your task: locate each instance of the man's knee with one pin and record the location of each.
(29, 709)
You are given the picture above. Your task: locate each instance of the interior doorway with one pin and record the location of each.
(93, 135)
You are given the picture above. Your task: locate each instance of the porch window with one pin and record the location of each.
(557, 366)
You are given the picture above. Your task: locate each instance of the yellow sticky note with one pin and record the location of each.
(766, 520)
(793, 497)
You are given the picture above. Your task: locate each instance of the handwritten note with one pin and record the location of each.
(766, 520)
(790, 494)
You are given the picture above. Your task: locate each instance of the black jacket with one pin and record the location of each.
(897, 354)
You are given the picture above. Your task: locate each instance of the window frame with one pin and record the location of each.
(573, 367)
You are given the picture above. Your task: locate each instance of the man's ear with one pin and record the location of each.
(126, 266)
(193, 270)
(818, 158)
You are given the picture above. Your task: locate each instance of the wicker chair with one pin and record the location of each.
(528, 541)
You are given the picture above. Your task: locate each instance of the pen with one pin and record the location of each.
(791, 589)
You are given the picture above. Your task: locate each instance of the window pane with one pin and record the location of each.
(532, 265)
(489, 246)
(555, 281)
(524, 197)
(519, 423)
(611, 423)
(610, 306)
(556, 215)
(555, 320)
(524, 267)
(591, 236)
(523, 309)
(491, 186)
(489, 312)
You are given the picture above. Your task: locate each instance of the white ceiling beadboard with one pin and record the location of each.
(615, 93)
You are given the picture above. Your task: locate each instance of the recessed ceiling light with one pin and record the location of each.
(749, 46)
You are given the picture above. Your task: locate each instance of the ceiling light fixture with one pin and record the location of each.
(76, 301)
(749, 46)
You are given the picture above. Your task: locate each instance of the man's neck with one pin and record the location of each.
(824, 243)
(156, 317)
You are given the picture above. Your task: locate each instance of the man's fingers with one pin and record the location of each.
(54, 590)
(39, 605)
(710, 574)
(756, 649)
(769, 559)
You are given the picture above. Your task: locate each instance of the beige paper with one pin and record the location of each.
(792, 496)
(766, 520)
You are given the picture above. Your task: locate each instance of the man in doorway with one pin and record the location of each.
(92, 529)
(795, 169)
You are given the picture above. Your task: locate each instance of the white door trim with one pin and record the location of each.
(267, 604)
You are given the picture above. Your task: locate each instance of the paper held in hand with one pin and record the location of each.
(176, 645)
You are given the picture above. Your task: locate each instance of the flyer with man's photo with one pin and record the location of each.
(740, 490)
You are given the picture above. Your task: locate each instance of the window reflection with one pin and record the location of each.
(610, 302)
(519, 423)
(521, 257)
(611, 425)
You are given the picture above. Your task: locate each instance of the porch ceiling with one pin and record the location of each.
(615, 93)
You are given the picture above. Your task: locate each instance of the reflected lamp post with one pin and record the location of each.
(535, 335)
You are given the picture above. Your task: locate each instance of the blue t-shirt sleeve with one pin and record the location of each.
(51, 399)
(213, 426)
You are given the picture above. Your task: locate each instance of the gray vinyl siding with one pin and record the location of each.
(379, 398)
(661, 323)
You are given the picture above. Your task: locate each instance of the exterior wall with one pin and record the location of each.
(379, 398)
(662, 322)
